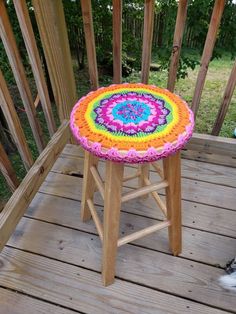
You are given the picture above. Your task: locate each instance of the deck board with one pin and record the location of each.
(55, 259)
(191, 169)
(198, 245)
(182, 277)
(81, 290)
(12, 302)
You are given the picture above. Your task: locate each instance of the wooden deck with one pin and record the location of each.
(52, 262)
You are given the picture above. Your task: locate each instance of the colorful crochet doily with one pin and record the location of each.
(132, 123)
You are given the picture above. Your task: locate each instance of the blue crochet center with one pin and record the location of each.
(131, 111)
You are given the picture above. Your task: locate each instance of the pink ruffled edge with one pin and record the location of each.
(132, 155)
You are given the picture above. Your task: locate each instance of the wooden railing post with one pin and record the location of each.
(147, 39)
(53, 33)
(13, 54)
(13, 122)
(225, 101)
(117, 41)
(7, 170)
(30, 43)
(177, 43)
(90, 42)
(146, 60)
(207, 52)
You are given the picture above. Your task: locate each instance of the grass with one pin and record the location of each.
(216, 81)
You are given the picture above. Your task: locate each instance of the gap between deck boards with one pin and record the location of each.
(81, 289)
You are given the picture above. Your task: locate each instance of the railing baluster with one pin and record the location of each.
(90, 42)
(177, 43)
(225, 101)
(13, 122)
(147, 39)
(13, 54)
(53, 33)
(31, 46)
(207, 52)
(117, 41)
(7, 170)
(146, 60)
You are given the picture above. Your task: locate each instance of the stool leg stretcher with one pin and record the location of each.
(110, 191)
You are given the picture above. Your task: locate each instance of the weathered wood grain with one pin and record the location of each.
(195, 215)
(53, 33)
(90, 42)
(15, 61)
(147, 40)
(195, 191)
(7, 170)
(117, 41)
(14, 125)
(81, 290)
(11, 302)
(209, 158)
(225, 101)
(192, 169)
(213, 144)
(207, 52)
(31, 46)
(177, 43)
(21, 198)
(198, 245)
(174, 275)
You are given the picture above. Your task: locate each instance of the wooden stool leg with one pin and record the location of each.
(88, 185)
(112, 205)
(172, 173)
(144, 170)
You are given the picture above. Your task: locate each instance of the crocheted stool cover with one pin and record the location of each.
(132, 123)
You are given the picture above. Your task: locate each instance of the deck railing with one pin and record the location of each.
(53, 34)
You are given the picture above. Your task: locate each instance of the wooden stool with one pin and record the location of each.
(128, 103)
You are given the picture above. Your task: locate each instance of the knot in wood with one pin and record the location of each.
(41, 169)
(175, 49)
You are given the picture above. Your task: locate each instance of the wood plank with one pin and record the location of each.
(14, 303)
(7, 170)
(13, 54)
(225, 101)
(198, 245)
(207, 52)
(80, 289)
(194, 191)
(175, 275)
(147, 40)
(14, 125)
(209, 158)
(117, 41)
(177, 43)
(31, 46)
(90, 42)
(71, 159)
(53, 33)
(212, 144)
(21, 198)
(196, 215)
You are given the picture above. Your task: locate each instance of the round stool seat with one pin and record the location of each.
(132, 123)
